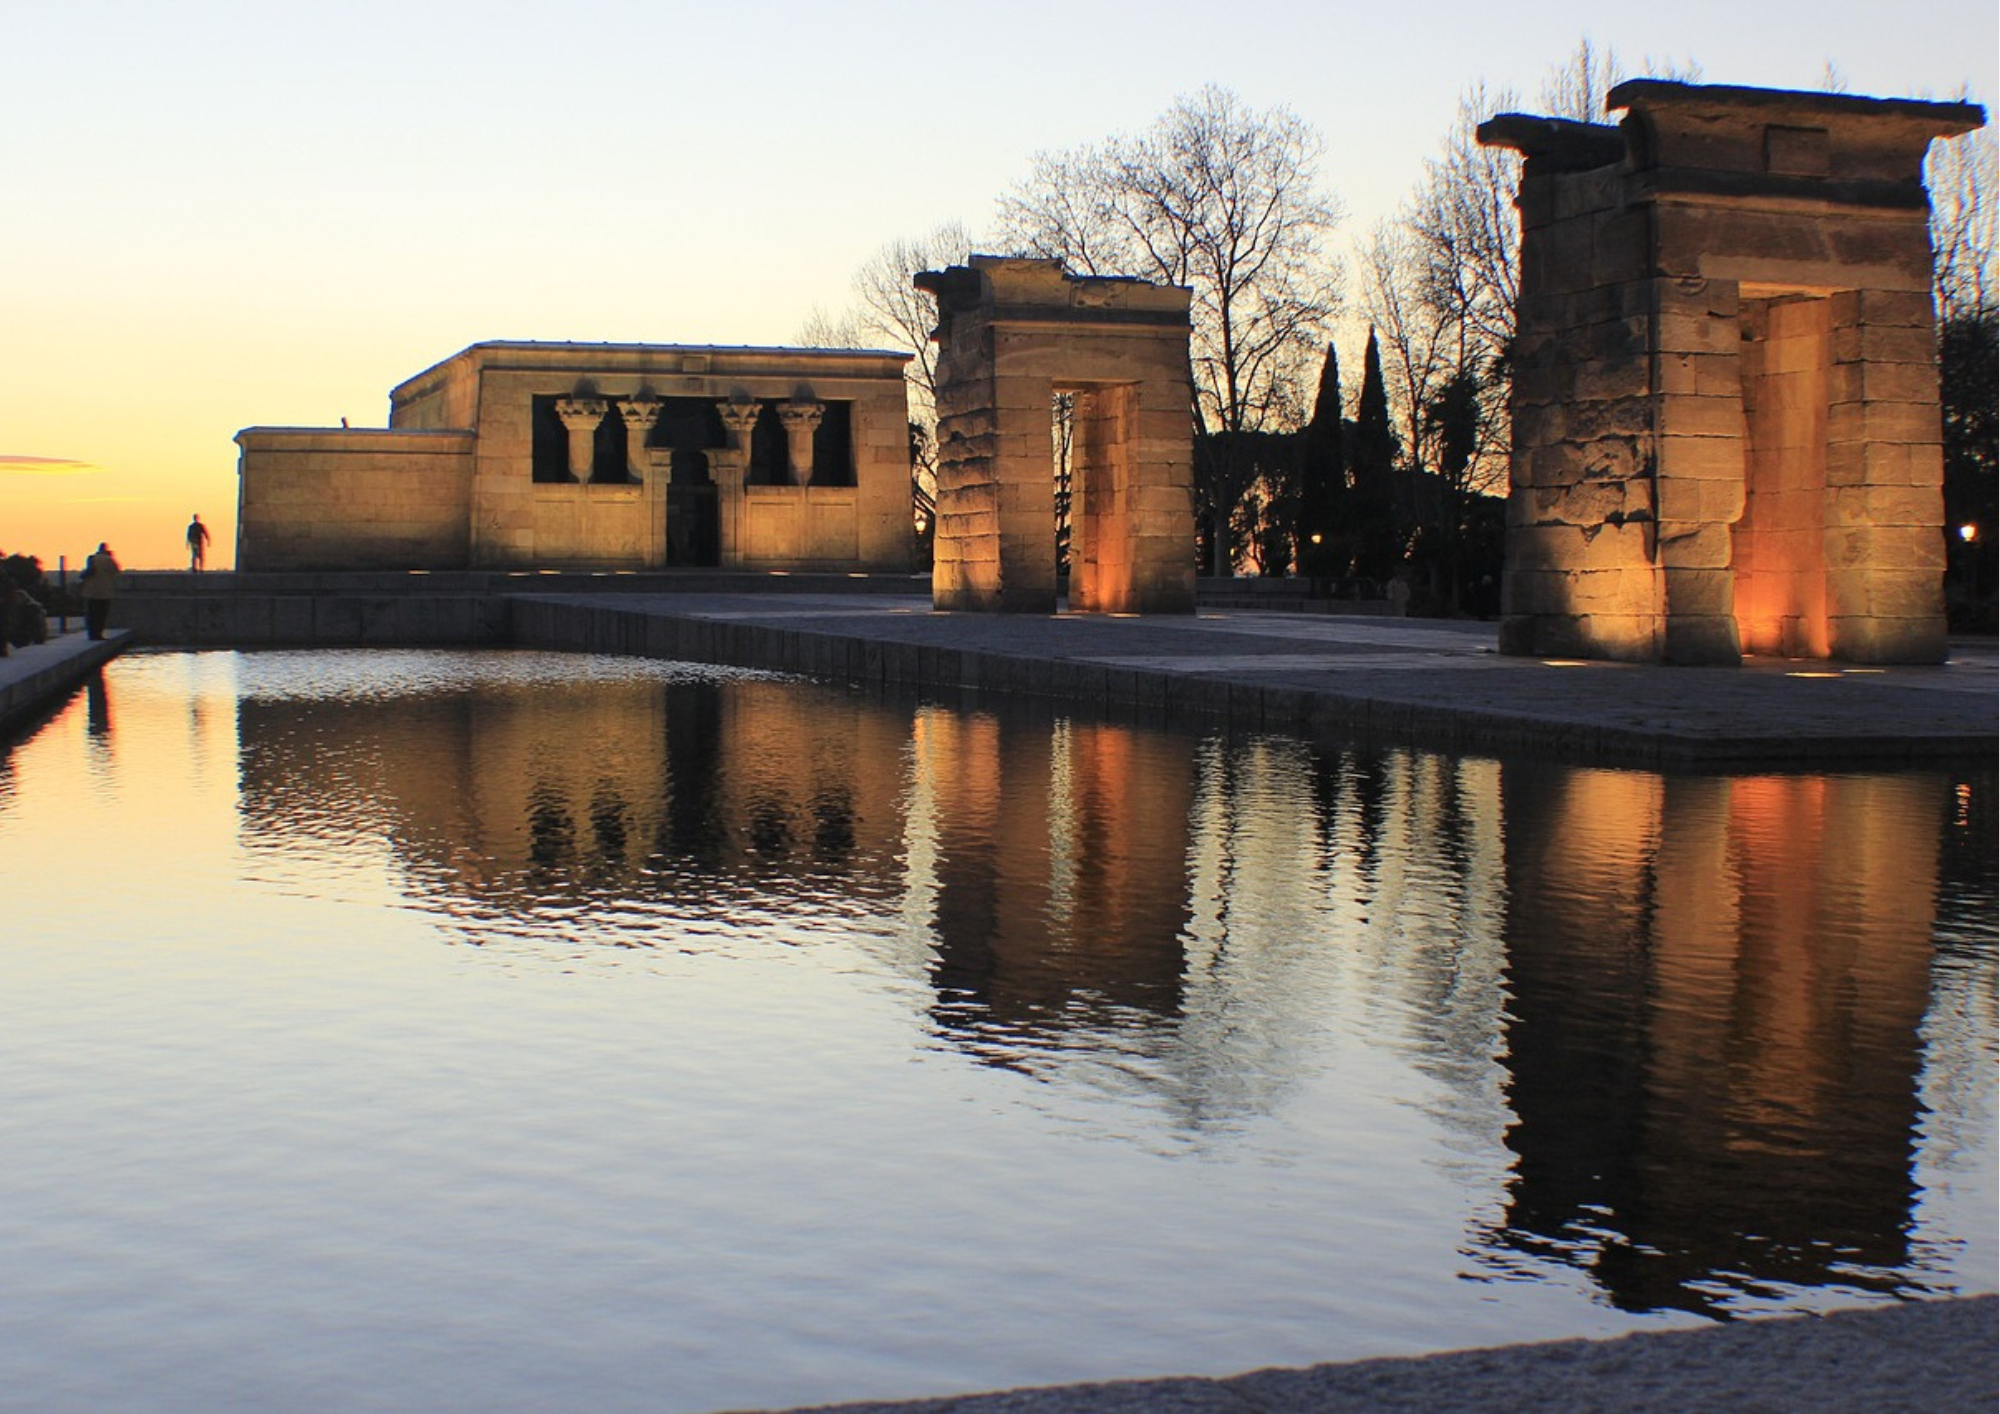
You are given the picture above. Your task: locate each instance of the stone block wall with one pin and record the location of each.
(801, 527)
(334, 498)
(1583, 572)
(1726, 431)
(1013, 333)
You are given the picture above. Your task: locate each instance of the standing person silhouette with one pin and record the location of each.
(100, 582)
(197, 537)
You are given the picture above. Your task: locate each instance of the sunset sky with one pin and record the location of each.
(220, 215)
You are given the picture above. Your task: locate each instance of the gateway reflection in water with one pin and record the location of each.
(795, 1044)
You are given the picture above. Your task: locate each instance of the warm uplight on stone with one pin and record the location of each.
(1012, 334)
(1726, 433)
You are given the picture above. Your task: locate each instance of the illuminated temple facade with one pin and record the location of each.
(598, 456)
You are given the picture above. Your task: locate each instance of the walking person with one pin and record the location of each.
(100, 582)
(197, 536)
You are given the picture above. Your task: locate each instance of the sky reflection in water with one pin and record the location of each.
(509, 1030)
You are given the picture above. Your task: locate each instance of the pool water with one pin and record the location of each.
(397, 1030)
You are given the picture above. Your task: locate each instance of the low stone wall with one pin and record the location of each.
(331, 620)
(387, 608)
(398, 608)
(34, 678)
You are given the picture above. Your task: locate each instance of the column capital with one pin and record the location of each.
(580, 414)
(639, 414)
(805, 416)
(739, 417)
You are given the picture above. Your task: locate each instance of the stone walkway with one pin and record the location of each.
(36, 678)
(1935, 1356)
(1429, 681)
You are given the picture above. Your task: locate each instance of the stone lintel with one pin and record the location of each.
(1695, 104)
(1022, 289)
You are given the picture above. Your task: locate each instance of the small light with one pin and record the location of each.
(1564, 663)
(1812, 675)
(1968, 532)
(1315, 537)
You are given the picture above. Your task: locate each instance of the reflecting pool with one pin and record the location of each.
(492, 1030)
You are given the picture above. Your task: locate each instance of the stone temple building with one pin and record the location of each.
(598, 456)
(1726, 429)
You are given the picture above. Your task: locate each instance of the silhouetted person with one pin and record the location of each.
(22, 621)
(197, 544)
(100, 582)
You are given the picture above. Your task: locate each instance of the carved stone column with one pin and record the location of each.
(580, 416)
(801, 421)
(727, 467)
(639, 416)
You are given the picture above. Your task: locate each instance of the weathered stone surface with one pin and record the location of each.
(1566, 549)
(1715, 502)
(1701, 593)
(1705, 545)
(1018, 332)
(1886, 547)
(1736, 318)
(1700, 640)
(1874, 639)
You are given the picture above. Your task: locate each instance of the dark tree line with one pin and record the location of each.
(1961, 175)
(1339, 503)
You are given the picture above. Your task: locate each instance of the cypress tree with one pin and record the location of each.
(1372, 474)
(1323, 480)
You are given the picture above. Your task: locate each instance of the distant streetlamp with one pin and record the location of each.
(1968, 532)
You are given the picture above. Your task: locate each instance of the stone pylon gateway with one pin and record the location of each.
(1725, 406)
(1013, 333)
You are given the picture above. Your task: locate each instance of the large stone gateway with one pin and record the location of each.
(1013, 333)
(1726, 431)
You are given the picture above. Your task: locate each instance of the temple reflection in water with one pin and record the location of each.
(1684, 1014)
(1716, 987)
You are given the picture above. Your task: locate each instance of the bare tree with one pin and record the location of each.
(1224, 199)
(1962, 173)
(890, 312)
(1465, 234)
(1440, 284)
